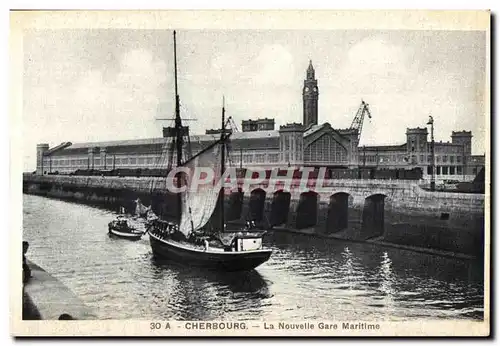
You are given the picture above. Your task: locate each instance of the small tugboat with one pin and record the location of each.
(122, 228)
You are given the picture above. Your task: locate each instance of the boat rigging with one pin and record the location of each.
(199, 238)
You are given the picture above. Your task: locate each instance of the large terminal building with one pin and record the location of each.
(259, 144)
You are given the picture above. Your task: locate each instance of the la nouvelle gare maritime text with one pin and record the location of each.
(283, 326)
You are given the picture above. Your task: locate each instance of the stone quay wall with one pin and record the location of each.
(390, 211)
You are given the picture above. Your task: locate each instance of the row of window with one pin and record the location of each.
(110, 161)
(287, 143)
(315, 152)
(254, 158)
(444, 158)
(149, 161)
(446, 170)
(403, 157)
(382, 158)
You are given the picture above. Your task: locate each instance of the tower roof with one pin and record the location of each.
(310, 70)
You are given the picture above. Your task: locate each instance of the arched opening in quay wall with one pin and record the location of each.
(338, 212)
(256, 205)
(373, 215)
(280, 207)
(307, 210)
(235, 205)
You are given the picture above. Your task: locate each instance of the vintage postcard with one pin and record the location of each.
(250, 173)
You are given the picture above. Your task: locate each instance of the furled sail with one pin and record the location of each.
(198, 203)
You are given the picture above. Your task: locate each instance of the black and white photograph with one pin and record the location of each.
(208, 173)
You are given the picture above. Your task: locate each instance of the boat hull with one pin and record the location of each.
(218, 260)
(125, 235)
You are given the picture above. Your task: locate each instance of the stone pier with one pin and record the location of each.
(392, 211)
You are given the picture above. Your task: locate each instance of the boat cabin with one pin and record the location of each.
(248, 244)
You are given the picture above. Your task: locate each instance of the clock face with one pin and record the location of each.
(307, 88)
(315, 89)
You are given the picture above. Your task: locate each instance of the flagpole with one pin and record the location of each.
(433, 168)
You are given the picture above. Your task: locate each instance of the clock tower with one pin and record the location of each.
(310, 98)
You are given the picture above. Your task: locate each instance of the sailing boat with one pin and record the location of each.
(201, 238)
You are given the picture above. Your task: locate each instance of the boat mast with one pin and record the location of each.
(222, 168)
(178, 128)
(178, 124)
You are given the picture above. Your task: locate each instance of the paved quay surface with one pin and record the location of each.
(47, 298)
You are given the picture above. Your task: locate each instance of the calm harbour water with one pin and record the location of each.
(306, 278)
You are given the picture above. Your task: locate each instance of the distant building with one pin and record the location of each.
(257, 125)
(216, 131)
(453, 160)
(292, 145)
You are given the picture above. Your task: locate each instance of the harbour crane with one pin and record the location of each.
(357, 123)
(232, 124)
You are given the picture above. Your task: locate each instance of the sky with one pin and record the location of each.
(113, 84)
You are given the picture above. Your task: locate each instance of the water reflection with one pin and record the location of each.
(387, 276)
(305, 278)
(387, 287)
(350, 270)
(202, 294)
(386, 282)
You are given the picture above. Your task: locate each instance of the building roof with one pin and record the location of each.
(397, 147)
(129, 142)
(161, 140)
(315, 128)
(258, 120)
(239, 140)
(446, 144)
(312, 129)
(237, 135)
